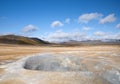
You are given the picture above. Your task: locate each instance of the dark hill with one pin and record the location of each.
(14, 39)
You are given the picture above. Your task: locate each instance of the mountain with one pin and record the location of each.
(91, 42)
(14, 39)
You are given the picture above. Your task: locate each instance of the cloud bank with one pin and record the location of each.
(60, 36)
(99, 33)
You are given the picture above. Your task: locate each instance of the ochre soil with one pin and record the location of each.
(11, 52)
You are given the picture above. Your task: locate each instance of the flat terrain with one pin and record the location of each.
(99, 65)
(10, 52)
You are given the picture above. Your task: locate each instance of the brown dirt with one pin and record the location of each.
(11, 52)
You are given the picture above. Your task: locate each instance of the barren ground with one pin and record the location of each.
(102, 65)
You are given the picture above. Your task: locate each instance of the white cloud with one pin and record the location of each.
(29, 28)
(86, 28)
(118, 25)
(60, 36)
(67, 20)
(108, 19)
(56, 24)
(99, 33)
(112, 36)
(117, 36)
(107, 35)
(85, 18)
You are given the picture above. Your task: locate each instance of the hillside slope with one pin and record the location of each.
(14, 39)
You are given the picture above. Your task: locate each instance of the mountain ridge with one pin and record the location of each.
(22, 40)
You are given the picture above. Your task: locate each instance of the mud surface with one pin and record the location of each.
(83, 66)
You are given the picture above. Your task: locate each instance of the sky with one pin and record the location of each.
(61, 20)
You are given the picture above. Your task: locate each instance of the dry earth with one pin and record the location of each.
(87, 65)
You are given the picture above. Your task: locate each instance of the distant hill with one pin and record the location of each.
(91, 42)
(14, 39)
(21, 40)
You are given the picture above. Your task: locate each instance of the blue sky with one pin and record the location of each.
(56, 20)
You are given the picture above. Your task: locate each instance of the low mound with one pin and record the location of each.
(53, 63)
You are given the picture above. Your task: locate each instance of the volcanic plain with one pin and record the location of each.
(98, 64)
